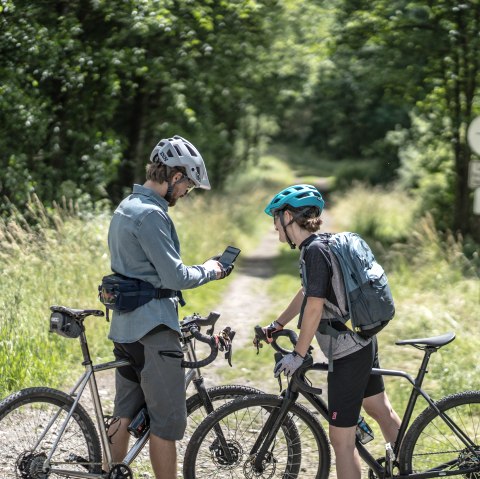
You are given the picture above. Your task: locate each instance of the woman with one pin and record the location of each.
(296, 213)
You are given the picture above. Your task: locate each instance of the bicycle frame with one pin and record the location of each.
(298, 386)
(88, 377)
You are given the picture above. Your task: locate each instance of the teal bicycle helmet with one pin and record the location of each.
(297, 196)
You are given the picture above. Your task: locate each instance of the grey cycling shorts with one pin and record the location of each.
(161, 383)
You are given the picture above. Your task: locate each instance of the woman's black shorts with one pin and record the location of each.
(350, 382)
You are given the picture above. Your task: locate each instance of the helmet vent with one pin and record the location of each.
(178, 150)
(192, 152)
(170, 153)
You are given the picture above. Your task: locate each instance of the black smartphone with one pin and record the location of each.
(229, 256)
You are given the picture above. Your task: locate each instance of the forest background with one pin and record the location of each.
(373, 96)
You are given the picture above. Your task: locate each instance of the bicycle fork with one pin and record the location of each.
(269, 431)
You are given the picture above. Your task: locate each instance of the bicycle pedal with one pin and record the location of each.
(389, 460)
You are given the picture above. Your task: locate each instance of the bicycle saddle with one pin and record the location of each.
(76, 313)
(434, 341)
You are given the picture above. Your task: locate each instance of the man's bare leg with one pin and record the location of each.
(119, 436)
(163, 455)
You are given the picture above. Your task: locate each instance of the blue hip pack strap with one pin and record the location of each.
(122, 294)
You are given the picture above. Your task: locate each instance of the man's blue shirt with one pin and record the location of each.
(143, 244)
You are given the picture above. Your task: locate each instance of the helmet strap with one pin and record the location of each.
(284, 226)
(169, 193)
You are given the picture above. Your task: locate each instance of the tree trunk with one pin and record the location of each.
(132, 168)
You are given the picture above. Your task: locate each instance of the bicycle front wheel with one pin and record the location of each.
(431, 445)
(299, 450)
(219, 395)
(30, 421)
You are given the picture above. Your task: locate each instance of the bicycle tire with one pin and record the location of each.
(430, 443)
(300, 450)
(196, 413)
(24, 416)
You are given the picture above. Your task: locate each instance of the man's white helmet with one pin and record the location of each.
(177, 151)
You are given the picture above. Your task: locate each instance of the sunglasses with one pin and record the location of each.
(190, 183)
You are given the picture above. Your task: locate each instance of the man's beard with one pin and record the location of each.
(175, 196)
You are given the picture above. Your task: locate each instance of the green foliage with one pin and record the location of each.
(426, 171)
(87, 88)
(402, 58)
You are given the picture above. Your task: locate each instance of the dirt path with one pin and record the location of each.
(245, 305)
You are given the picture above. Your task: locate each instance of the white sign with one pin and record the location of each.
(473, 135)
(476, 202)
(474, 174)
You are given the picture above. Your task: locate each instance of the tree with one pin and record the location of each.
(88, 87)
(429, 53)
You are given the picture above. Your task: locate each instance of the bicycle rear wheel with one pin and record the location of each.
(300, 448)
(26, 435)
(431, 445)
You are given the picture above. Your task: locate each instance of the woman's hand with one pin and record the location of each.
(288, 364)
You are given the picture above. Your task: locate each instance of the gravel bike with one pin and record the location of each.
(444, 440)
(46, 433)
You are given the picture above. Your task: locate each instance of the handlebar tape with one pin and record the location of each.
(210, 340)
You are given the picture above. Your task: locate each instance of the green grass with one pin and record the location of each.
(383, 215)
(57, 262)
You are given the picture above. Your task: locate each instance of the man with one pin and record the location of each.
(144, 245)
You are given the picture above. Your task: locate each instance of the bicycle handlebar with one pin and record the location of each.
(190, 327)
(299, 379)
(260, 336)
(308, 365)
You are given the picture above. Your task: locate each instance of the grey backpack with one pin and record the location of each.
(368, 296)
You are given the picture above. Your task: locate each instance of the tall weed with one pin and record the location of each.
(55, 261)
(383, 215)
(437, 290)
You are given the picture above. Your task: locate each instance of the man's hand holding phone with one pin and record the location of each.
(225, 262)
